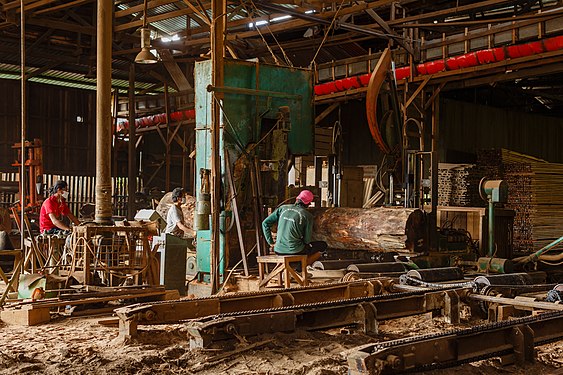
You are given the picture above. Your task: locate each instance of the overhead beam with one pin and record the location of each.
(63, 6)
(308, 17)
(174, 70)
(158, 17)
(203, 16)
(396, 37)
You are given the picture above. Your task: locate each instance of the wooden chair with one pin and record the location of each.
(282, 266)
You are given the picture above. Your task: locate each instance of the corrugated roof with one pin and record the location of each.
(67, 79)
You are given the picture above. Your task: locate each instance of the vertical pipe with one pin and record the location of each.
(391, 189)
(434, 170)
(132, 161)
(491, 228)
(103, 112)
(218, 28)
(23, 122)
(168, 140)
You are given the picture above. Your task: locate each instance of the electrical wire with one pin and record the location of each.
(326, 33)
(287, 60)
(277, 61)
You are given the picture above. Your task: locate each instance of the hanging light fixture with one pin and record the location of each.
(145, 56)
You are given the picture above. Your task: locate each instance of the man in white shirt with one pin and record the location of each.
(175, 218)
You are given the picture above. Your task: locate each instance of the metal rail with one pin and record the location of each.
(514, 340)
(361, 312)
(170, 312)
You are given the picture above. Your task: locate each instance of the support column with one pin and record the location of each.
(23, 125)
(103, 112)
(132, 161)
(218, 27)
(434, 176)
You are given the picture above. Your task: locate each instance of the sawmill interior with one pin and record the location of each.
(281, 187)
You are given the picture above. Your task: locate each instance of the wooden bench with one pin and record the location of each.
(283, 266)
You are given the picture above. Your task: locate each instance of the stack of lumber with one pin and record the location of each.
(534, 192)
(458, 185)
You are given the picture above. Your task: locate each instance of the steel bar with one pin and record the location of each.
(515, 338)
(170, 312)
(253, 92)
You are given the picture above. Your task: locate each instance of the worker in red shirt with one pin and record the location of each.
(54, 208)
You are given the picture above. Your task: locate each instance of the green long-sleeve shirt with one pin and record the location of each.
(295, 227)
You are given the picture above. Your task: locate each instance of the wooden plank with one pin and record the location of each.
(175, 72)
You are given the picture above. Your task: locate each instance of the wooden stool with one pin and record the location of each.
(282, 266)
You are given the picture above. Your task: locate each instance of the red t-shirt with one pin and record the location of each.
(51, 205)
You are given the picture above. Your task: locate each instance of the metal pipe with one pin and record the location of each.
(218, 28)
(167, 145)
(491, 228)
(103, 112)
(23, 123)
(132, 160)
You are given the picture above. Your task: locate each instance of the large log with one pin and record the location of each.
(374, 229)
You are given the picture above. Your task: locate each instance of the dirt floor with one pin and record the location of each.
(82, 346)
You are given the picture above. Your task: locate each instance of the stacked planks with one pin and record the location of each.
(533, 192)
(458, 185)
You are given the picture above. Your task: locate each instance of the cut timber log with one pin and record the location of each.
(374, 229)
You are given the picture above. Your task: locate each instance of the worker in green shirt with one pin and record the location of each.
(295, 227)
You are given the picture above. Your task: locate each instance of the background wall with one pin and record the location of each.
(69, 145)
(465, 128)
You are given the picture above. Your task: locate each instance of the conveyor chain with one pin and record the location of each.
(458, 346)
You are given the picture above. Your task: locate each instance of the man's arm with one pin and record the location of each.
(73, 218)
(267, 224)
(56, 222)
(184, 228)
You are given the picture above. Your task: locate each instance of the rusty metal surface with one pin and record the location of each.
(169, 312)
(515, 338)
(203, 332)
(361, 312)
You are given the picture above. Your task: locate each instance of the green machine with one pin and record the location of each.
(267, 118)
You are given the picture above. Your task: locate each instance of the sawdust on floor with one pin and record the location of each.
(82, 346)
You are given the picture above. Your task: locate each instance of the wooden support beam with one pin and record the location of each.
(417, 91)
(457, 10)
(202, 15)
(139, 8)
(325, 113)
(63, 6)
(158, 17)
(435, 94)
(42, 70)
(174, 70)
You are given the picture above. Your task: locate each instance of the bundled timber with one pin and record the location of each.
(458, 185)
(375, 229)
(534, 187)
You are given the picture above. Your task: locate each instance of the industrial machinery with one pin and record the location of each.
(493, 191)
(267, 118)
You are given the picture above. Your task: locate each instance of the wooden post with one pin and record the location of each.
(132, 161)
